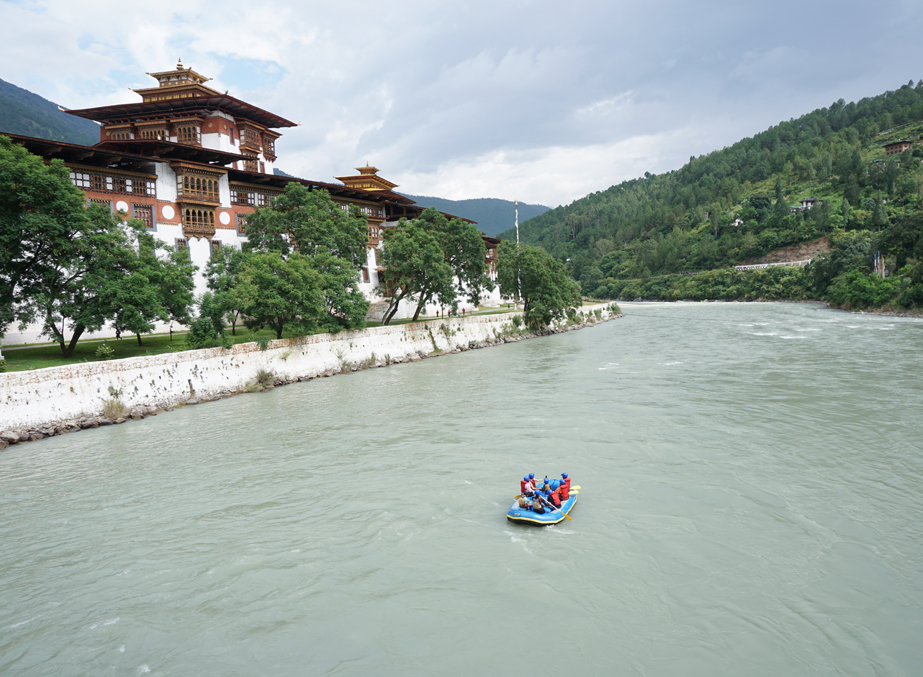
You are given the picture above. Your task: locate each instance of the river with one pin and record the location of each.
(751, 504)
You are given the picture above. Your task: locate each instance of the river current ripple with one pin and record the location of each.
(750, 504)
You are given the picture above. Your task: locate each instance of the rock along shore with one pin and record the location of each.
(62, 400)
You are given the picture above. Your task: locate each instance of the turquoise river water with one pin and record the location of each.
(751, 505)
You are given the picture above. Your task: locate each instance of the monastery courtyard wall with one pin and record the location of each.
(64, 396)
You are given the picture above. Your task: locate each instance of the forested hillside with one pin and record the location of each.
(493, 215)
(736, 203)
(28, 114)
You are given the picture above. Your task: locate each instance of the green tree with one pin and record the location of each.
(207, 330)
(77, 289)
(309, 222)
(464, 250)
(221, 276)
(346, 305)
(154, 287)
(42, 215)
(280, 293)
(541, 282)
(415, 268)
(780, 209)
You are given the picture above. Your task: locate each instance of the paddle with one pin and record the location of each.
(553, 509)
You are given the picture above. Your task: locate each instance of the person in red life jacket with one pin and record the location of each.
(554, 499)
(566, 480)
(532, 479)
(564, 490)
(523, 484)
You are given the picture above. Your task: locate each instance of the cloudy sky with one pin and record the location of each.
(541, 101)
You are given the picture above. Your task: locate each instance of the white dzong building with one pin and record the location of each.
(191, 163)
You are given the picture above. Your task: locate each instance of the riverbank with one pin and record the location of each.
(883, 312)
(61, 400)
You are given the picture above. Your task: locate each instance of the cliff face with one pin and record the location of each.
(798, 252)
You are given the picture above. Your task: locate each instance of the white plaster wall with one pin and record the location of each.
(43, 396)
(166, 182)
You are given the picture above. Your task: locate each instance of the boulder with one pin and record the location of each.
(192, 400)
(9, 437)
(35, 437)
(105, 421)
(120, 420)
(89, 423)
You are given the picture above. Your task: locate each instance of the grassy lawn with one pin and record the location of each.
(40, 357)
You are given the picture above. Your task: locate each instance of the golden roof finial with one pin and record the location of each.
(179, 64)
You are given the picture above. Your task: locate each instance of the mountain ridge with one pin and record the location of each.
(492, 214)
(28, 114)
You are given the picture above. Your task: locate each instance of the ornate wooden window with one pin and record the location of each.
(242, 197)
(155, 134)
(215, 246)
(250, 137)
(374, 233)
(144, 213)
(197, 187)
(190, 135)
(198, 222)
(103, 203)
(113, 183)
(80, 179)
(247, 196)
(241, 224)
(182, 244)
(251, 164)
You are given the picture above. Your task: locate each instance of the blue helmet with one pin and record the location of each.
(564, 475)
(531, 475)
(525, 479)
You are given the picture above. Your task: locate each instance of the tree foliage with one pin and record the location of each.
(74, 268)
(415, 267)
(412, 255)
(331, 240)
(280, 293)
(731, 205)
(544, 286)
(309, 222)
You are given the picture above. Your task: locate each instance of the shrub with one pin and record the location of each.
(2, 366)
(264, 377)
(104, 352)
(114, 408)
(857, 289)
(517, 320)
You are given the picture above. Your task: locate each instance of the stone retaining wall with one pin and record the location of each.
(64, 399)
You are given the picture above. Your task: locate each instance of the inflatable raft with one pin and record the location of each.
(517, 514)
